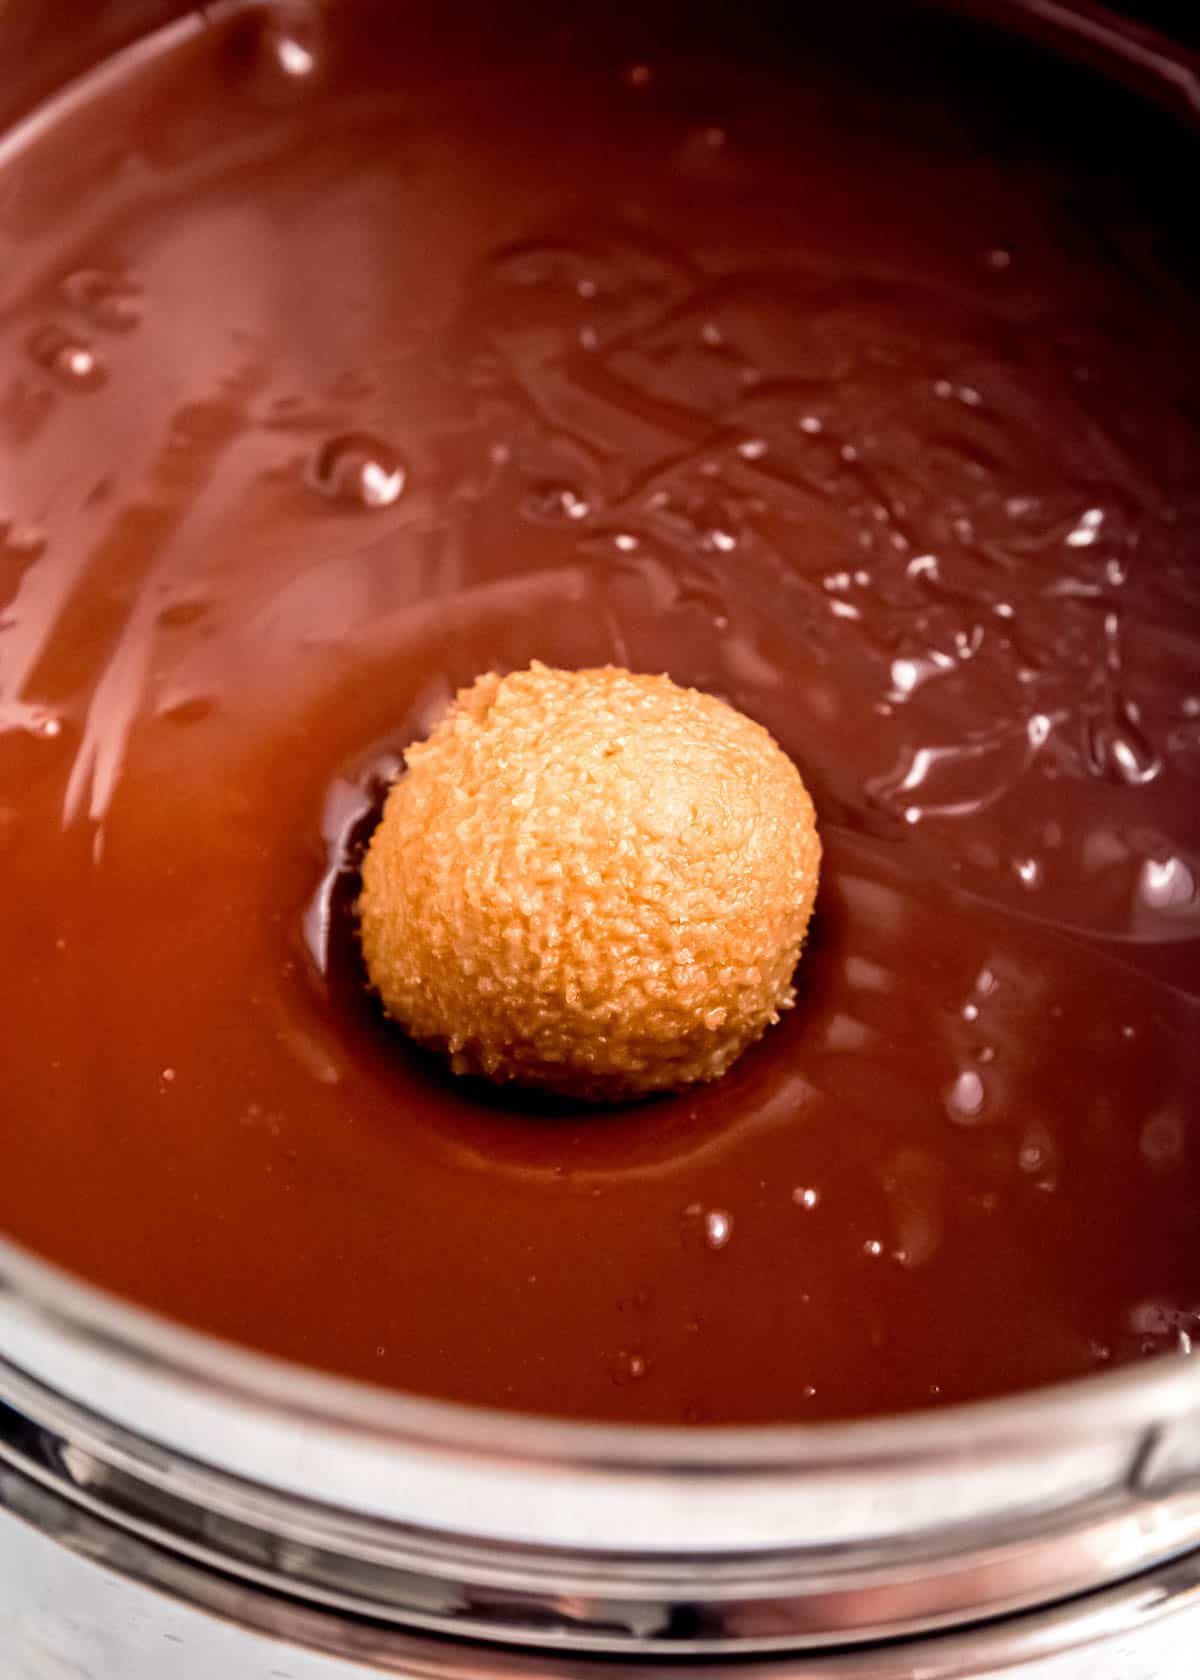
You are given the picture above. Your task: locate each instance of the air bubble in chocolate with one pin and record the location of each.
(360, 471)
(71, 360)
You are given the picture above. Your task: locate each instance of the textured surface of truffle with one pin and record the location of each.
(591, 881)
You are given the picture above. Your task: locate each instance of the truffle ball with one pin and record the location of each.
(590, 881)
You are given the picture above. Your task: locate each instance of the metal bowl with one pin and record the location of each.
(364, 1522)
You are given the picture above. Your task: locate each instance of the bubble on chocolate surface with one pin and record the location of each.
(295, 57)
(1168, 886)
(964, 1099)
(1029, 872)
(1164, 1138)
(71, 360)
(628, 1366)
(360, 471)
(555, 504)
(718, 1228)
(1117, 748)
(33, 720)
(1037, 1148)
(293, 39)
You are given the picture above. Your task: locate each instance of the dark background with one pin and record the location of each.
(42, 42)
(1180, 18)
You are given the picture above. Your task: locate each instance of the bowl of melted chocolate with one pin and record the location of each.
(841, 367)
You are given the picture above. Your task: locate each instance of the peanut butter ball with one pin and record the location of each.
(590, 881)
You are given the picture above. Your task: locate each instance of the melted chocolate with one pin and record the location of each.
(334, 370)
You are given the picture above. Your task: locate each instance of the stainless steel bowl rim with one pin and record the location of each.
(428, 1516)
(1135, 1618)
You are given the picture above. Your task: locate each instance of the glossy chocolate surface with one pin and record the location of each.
(339, 363)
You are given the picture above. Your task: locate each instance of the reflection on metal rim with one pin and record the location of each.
(1081, 29)
(820, 1536)
(1138, 1608)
